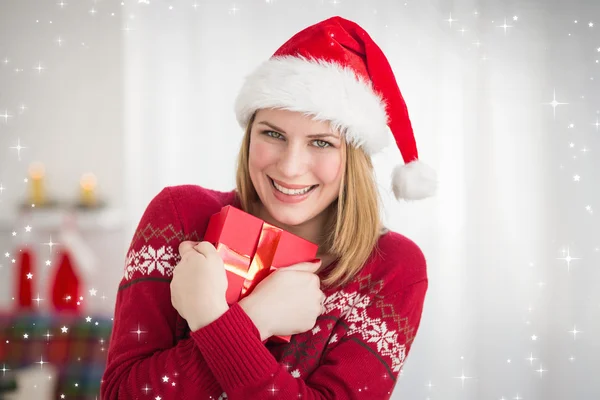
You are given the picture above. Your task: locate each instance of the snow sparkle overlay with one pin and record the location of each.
(573, 118)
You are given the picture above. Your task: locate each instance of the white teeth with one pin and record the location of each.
(291, 192)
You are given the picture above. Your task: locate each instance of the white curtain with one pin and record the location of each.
(508, 315)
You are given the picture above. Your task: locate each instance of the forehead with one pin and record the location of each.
(294, 122)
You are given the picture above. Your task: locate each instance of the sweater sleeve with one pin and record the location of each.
(363, 364)
(146, 358)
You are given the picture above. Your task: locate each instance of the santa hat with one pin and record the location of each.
(335, 72)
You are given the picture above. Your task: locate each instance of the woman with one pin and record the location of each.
(314, 114)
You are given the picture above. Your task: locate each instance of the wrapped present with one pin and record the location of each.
(251, 249)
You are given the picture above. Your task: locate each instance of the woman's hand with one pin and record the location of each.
(199, 284)
(286, 302)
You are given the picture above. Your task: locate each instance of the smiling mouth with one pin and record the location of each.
(291, 192)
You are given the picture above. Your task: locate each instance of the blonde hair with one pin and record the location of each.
(353, 221)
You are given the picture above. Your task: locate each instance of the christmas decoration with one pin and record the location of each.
(24, 274)
(66, 284)
(87, 194)
(37, 191)
(75, 262)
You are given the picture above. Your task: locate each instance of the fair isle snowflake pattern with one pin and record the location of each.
(295, 373)
(354, 309)
(149, 259)
(333, 339)
(346, 302)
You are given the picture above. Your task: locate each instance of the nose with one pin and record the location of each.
(294, 161)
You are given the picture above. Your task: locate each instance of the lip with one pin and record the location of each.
(285, 198)
(285, 185)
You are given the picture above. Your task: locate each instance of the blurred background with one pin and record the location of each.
(105, 102)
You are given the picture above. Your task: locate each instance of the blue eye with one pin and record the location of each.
(274, 135)
(322, 144)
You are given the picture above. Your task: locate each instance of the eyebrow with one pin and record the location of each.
(315, 136)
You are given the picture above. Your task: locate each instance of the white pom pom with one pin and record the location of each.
(414, 181)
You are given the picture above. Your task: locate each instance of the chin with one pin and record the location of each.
(288, 216)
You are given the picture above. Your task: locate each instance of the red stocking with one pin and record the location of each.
(25, 266)
(66, 285)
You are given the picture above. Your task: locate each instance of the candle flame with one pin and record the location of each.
(36, 170)
(88, 181)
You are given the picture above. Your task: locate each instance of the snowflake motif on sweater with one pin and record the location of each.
(148, 259)
(354, 309)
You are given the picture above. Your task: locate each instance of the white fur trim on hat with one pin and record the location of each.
(324, 90)
(414, 181)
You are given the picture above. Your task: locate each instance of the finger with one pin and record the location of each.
(186, 246)
(207, 250)
(304, 266)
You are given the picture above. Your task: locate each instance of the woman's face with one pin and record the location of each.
(295, 163)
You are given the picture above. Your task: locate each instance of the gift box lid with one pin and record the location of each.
(234, 228)
(240, 231)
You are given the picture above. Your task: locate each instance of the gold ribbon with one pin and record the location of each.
(250, 270)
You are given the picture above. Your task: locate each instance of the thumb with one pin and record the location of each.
(310, 266)
(186, 246)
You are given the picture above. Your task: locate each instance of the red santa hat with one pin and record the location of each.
(335, 72)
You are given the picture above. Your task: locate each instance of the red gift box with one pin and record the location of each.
(251, 249)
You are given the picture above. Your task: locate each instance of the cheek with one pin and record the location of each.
(329, 169)
(260, 155)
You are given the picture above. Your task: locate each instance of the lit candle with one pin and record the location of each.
(36, 177)
(88, 186)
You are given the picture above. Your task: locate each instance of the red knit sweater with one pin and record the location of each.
(355, 351)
